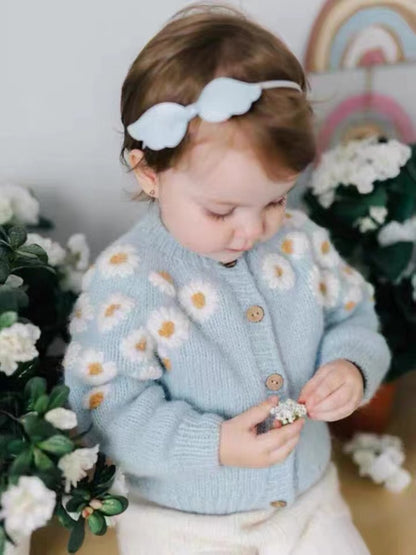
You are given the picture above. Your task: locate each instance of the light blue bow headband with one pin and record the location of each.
(165, 124)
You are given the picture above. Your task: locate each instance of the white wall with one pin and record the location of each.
(63, 64)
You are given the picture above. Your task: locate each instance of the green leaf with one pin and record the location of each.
(4, 270)
(2, 541)
(34, 250)
(42, 461)
(22, 462)
(7, 319)
(34, 388)
(57, 445)
(16, 446)
(76, 538)
(17, 236)
(97, 523)
(114, 505)
(76, 504)
(64, 517)
(58, 397)
(37, 428)
(41, 404)
(12, 299)
(392, 260)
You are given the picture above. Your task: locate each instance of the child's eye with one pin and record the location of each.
(219, 216)
(280, 202)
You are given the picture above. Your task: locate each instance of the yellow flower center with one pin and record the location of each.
(141, 345)
(278, 271)
(166, 276)
(96, 399)
(198, 300)
(167, 363)
(167, 329)
(325, 247)
(95, 368)
(118, 258)
(349, 305)
(323, 288)
(110, 310)
(287, 246)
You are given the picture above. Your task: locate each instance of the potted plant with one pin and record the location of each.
(45, 469)
(364, 193)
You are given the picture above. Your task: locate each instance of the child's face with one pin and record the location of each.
(219, 202)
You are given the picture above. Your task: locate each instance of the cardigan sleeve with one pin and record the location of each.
(351, 325)
(113, 371)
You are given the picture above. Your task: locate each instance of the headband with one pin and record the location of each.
(165, 124)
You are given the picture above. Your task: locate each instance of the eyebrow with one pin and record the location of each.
(228, 203)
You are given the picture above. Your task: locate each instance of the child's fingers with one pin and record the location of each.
(342, 401)
(327, 387)
(313, 383)
(276, 438)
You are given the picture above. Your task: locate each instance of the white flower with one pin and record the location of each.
(294, 244)
(137, 346)
(119, 486)
(72, 355)
(326, 199)
(6, 211)
(93, 399)
(288, 411)
(378, 213)
(118, 261)
(163, 281)
(56, 254)
(61, 418)
(168, 326)
(93, 370)
(365, 224)
(25, 207)
(395, 232)
(350, 275)
(72, 280)
(325, 286)
(81, 314)
(363, 177)
(352, 297)
(74, 465)
(399, 481)
(27, 506)
(113, 311)
(14, 281)
(326, 254)
(148, 373)
(78, 248)
(199, 299)
(17, 344)
(86, 280)
(295, 218)
(278, 272)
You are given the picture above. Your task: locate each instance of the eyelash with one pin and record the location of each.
(276, 204)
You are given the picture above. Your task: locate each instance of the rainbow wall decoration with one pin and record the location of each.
(360, 33)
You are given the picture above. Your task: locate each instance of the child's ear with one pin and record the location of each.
(146, 177)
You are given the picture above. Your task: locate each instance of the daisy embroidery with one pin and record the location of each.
(351, 276)
(294, 244)
(118, 261)
(295, 218)
(113, 311)
(162, 354)
(200, 299)
(137, 346)
(352, 298)
(93, 399)
(72, 354)
(82, 313)
(278, 272)
(168, 326)
(163, 281)
(149, 373)
(326, 254)
(93, 370)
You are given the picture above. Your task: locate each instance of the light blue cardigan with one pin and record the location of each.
(166, 344)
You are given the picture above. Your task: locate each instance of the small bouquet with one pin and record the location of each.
(364, 193)
(44, 468)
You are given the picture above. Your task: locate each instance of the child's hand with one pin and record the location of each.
(241, 446)
(334, 392)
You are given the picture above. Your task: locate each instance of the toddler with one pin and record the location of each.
(217, 304)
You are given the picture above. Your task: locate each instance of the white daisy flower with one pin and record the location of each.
(350, 275)
(72, 355)
(113, 311)
(200, 299)
(294, 244)
(118, 261)
(278, 272)
(95, 396)
(325, 286)
(295, 218)
(137, 346)
(74, 465)
(17, 344)
(168, 326)
(56, 254)
(149, 373)
(81, 314)
(163, 281)
(352, 297)
(93, 370)
(61, 418)
(327, 255)
(87, 278)
(164, 357)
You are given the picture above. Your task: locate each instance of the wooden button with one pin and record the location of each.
(279, 503)
(255, 313)
(274, 382)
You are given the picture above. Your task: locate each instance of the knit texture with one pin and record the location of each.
(167, 344)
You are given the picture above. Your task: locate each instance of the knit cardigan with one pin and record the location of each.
(166, 344)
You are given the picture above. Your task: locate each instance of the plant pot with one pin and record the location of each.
(22, 547)
(373, 417)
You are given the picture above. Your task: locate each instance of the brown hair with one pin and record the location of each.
(202, 42)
